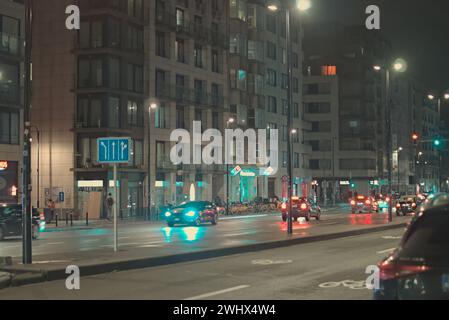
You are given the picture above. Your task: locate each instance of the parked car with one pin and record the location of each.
(11, 222)
(302, 207)
(363, 204)
(192, 213)
(419, 267)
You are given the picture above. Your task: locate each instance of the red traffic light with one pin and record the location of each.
(415, 137)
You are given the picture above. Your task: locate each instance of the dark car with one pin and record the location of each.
(192, 213)
(11, 221)
(302, 207)
(363, 204)
(419, 268)
(406, 205)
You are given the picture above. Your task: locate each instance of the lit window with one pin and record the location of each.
(328, 70)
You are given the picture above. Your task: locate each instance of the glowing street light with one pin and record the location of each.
(304, 5)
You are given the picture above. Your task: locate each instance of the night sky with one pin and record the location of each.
(418, 31)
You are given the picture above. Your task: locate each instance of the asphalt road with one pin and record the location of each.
(158, 239)
(333, 269)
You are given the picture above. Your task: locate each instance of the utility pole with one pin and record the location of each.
(389, 144)
(289, 121)
(27, 255)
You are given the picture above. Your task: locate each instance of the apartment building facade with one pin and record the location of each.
(142, 69)
(11, 99)
(342, 58)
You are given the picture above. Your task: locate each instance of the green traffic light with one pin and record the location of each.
(437, 143)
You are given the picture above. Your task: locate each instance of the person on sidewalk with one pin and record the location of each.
(51, 207)
(109, 205)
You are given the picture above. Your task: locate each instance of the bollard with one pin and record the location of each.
(67, 219)
(56, 220)
(87, 218)
(71, 220)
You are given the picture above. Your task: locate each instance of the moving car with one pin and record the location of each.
(419, 267)
(302, 207)
(11, 222)
(192, 213)
(363, 204)
(406, 205)
(382, 202)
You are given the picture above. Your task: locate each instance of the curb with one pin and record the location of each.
(5, 280)
(27, 276)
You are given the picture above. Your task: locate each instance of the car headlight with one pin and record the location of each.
(168, 214)
(191, 214)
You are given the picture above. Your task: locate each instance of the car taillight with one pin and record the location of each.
(303, 206)
(387, 199)
(398, 205)
(353, 203)
(367, 202)
(390, 270)
(284, 206)
(414, 205)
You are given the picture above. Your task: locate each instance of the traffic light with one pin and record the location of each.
(437, 142)
(352, 185)
(415, 138)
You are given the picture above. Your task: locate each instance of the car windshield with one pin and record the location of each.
(428, 236)
(194, 204)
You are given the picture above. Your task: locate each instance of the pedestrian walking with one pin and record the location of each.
(109, 205)
(51, 207)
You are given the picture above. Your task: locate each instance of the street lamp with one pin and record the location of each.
(153, 106)
(301, 5)
(229, 122)
(399, 66)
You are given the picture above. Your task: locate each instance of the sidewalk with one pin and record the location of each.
(52, 267)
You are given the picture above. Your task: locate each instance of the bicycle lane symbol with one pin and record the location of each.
(350, 284)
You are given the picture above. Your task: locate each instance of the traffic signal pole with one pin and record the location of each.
(389, 144)
(27, 255)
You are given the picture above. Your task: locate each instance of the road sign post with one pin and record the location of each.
(114, 151)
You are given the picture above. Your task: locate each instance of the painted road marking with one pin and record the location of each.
(243, 217)
(391, 238)
(351, 284)
(54, 243)
(267, 262)
(150, 246)
(216, 293)
(386, 251)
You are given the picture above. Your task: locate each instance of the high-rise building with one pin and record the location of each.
(11, 99)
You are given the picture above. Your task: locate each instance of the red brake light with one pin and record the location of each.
(303, 206)
(367, 202)
(284, 206)
(389, 270)
(352, 202)
(387, 199)
(398, 205)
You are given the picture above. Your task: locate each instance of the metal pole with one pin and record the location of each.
(149, 163)
(289, 121)
(116, 208)
(389, 144)
(399, 174)
(38, 168)
(27, 255)
(227, 180)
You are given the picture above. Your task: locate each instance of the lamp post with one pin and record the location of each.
(440, 98)
(27, 255)
(153, 106)
(38, 133)
(230, 121)
(274, 6)
(398, 66)
(399, 171)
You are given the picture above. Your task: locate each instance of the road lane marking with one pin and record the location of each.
(150, 246)
(216, 293)
(391, 238)
(243, 217)
(54, 243)
(386, 251)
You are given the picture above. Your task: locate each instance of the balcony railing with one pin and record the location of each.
(185, 95)
(11, 44)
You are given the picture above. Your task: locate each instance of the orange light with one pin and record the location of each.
(284, 206)
(387, 199)
(353, 202)
(398, 205)
(295, 198)
(3, 165)
(367, 202)
(303, 206)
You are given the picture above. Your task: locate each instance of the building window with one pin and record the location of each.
(133, 113)
(296, 161)
(9, 127)
(271, 23)
(161, 49)
(90, 73)
(271, 77)
(135, 78)
(113, 112)
(215, 61)
(271, 50)
(180, 50)
(318, 107)
(198, 55)
(328, 70)
(160, 116)
(10, 31)
(9, 82)
(272, 104)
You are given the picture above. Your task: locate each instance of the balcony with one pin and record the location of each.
(11, 45)
(183, 95)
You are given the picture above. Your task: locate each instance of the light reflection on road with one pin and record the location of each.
(186, 234)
